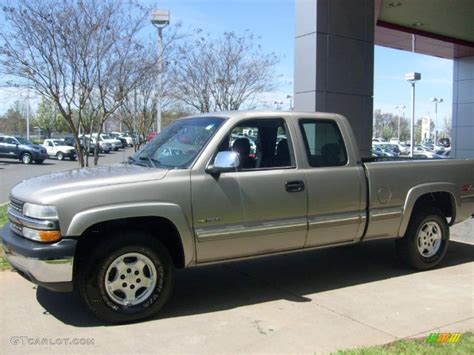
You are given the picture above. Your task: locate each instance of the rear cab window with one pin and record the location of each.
(323, 143)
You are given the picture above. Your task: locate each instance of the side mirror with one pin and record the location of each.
(224, 162)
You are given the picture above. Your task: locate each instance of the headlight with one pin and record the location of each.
(39, 211)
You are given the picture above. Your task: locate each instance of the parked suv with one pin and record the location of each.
(22, 149)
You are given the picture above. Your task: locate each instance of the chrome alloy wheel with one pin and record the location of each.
(429, 239)
(130, 279)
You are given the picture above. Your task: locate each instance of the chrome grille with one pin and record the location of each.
(16, 205)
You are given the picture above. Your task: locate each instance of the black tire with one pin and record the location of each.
(39, 161)
(93, 272)
(418, 237)
(26, 158)
(72, 158)
(60, 155)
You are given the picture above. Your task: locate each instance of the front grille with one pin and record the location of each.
(16, 205)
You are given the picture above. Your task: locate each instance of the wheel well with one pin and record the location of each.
(161, 228)
(441, 200)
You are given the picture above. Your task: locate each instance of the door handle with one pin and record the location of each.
(294, 186)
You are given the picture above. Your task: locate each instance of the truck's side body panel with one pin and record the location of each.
(396, 186)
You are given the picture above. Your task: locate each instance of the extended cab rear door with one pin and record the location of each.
(335, 181)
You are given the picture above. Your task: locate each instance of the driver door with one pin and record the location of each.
(255, 210)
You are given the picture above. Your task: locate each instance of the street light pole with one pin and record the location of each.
(160, 19)
(399, 108)
(291, 101)
(436, 100)
(28, 110)
(412, 78)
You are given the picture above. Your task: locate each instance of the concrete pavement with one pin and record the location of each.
(313, 302)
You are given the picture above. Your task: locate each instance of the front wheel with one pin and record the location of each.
(60, 155)
(39, 161)
(426, 240)
(127, 279)
(26, 158)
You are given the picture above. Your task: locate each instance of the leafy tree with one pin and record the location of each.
(48, 118)
(216, 74)
(14, 120)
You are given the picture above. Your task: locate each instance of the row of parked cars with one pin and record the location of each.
(24, 150)
(425, 150)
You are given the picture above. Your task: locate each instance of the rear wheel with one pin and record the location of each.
(426, 240)
(26, 158)
(127, 279)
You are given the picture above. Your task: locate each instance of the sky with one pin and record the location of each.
(273, 22)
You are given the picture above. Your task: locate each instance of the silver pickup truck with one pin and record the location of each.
(222, 187)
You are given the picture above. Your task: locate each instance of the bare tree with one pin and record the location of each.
(86, 56)
(215, 74)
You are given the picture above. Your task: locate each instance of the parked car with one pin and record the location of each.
(69, 141)
(427, 155)
(22, 149)
(151, 136)
(114, 143)
(126, 139)
(445, 142)
(59, 149)
(91, 143)
(118, 232)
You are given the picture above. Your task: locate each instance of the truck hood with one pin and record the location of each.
(43, 189)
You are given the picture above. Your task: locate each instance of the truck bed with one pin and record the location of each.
(395, 182)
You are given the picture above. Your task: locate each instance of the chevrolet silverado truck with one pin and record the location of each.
(190, 197)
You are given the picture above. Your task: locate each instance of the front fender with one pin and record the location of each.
(417, 191)
(85, 219)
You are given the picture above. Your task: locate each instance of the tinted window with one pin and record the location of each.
(323, 142)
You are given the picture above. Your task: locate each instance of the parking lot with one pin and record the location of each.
(13, 171)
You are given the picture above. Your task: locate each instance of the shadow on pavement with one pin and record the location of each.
(290, 277)
(17, 162)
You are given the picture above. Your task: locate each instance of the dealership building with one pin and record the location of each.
(334, 56)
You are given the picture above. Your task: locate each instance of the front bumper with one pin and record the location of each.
(39, 155)
(47, 265)
(70, 154)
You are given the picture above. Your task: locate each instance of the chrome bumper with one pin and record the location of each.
(48, 265)
(42, 270)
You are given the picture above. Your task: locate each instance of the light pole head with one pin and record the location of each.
(436, 99)
(412, 77)
(160, 18)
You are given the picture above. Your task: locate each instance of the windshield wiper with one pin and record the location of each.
(152, 161)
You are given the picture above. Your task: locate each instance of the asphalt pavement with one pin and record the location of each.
(13, 171)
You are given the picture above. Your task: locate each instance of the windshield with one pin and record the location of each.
(58, 142)
(105, 136)
(178, 144)
(23, 140)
